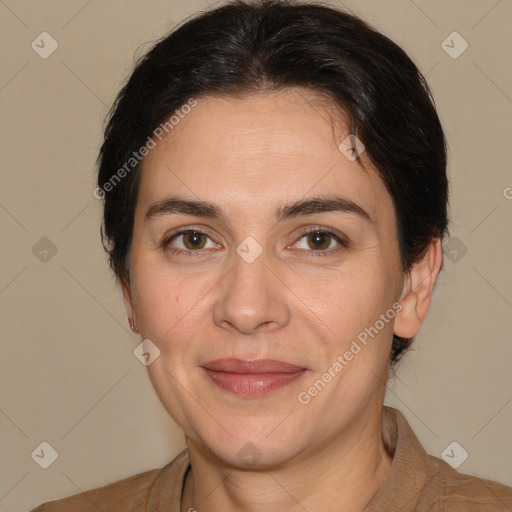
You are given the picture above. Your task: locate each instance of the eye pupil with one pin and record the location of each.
(194, 239)
(319, 240)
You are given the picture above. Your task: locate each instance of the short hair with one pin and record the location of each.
(248, 46)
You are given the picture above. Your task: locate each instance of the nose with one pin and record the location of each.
(253, 297)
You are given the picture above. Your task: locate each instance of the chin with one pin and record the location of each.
(250, 448)
(251, 456)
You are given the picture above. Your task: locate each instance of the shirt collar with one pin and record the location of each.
(411, 470)
(403, 489)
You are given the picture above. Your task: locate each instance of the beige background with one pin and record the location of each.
(68, 373)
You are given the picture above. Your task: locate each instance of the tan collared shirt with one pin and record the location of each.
(416, 482)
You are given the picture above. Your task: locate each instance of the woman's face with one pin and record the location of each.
(252, 284)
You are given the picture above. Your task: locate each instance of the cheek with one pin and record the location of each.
(172, 308)
(351, 299)
(159, 303)
(160, 300)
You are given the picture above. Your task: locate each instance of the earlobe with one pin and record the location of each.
(127, 300)
(407, 321)
(417, 291)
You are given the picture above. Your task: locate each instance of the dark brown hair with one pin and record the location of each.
(247, 46)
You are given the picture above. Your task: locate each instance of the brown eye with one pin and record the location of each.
(194, 240)
(189, 242)
(318, 240)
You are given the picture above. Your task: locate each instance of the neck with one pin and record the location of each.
(344, 474)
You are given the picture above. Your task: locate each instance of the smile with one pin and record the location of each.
(251, 378)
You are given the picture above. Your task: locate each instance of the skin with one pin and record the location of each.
(250, 155)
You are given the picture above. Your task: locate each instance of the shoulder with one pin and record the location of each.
(422, 482)
(468, 493)
(131, 494)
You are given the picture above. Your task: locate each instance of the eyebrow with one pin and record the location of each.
(176, 205)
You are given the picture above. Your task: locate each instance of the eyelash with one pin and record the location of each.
(190, 253)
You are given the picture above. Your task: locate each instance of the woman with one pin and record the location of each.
(275, 198)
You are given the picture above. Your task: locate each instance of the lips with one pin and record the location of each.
(251, 378)
(256, 366)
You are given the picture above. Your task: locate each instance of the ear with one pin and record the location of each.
(417, 291)
(127, 300)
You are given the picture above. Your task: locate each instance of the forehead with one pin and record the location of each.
(259, 148)
(285, 123)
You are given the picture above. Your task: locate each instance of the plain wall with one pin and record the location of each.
(68, 375)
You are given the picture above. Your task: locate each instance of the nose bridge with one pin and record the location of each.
(250, 298)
